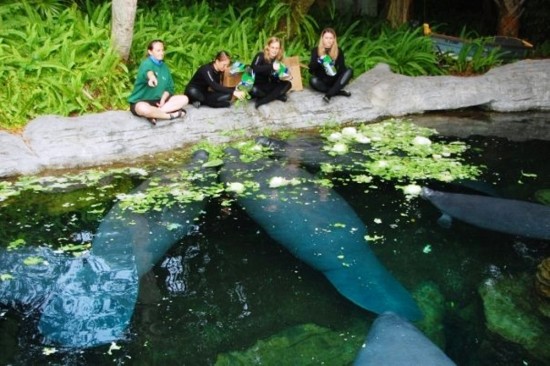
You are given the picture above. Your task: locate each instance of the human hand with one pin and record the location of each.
(239, 94)
(152, 82)
(276, 65)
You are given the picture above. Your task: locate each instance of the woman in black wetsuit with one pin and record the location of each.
(268, 86)
(328, 67)
(205, 87)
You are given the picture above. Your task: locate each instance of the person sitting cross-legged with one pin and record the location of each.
(153, 96)
(328, 67)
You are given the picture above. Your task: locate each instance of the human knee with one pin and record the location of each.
(142, 108)
(194, 94)
(318, 84)
(346, 76)
(257, 92)
(287, 86)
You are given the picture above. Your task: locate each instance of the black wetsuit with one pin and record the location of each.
(267, 85)
(206, 87)
(330, 85)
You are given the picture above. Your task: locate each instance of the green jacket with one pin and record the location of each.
(142, 91)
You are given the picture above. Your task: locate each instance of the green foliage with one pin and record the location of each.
(57, 59)
(398, 150)
(279, 19)
(405, 50)
(57, 62)
(473, 58)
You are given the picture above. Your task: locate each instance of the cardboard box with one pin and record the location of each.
(293, 63)
(231, 81)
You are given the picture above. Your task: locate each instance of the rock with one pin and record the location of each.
(511, 312)
(16, 157)
(55, 142)
(432, 303)
(542, 279)
(307, 344)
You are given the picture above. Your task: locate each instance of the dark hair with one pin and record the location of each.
(221, 56)
(152, 43)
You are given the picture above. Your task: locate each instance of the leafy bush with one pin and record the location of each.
(59, 60)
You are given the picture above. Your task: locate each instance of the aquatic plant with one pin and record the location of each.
(400, 151)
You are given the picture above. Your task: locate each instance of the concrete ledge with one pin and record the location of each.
(55, 142)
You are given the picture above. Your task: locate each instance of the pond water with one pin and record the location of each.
(227, 286)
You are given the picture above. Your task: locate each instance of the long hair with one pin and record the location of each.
(279, 56)
(333, 51)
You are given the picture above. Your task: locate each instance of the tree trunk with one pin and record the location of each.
(299, 8)
(122, 27)
(398, 12)
(509, 12)
(301, 5)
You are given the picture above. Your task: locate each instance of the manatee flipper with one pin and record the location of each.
(445, 221)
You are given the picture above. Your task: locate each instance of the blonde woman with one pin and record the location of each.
(328, 67)
(268, 85)
(153, 96)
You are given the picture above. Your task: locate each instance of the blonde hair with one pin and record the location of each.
(279, 56)
(333, 52)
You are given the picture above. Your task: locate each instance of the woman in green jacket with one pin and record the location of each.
(153, 96)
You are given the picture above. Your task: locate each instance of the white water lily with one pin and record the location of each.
(412, 190)
(421, 140)
(335, 136)
(445, 177)
(349, 131)
(236, 187)
(339, 148)
(275, 182)
(362, 139)
(256, 148)
(49, 351)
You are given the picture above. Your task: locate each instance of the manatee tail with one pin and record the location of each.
(27, 275)
(91, 304)
(369, 285)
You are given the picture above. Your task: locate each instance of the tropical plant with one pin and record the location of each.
(61, 61)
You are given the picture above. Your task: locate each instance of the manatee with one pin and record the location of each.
(531, 220)
(320, 228)
(393, 341)
(89, 300)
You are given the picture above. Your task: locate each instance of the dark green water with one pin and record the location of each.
(229, 285)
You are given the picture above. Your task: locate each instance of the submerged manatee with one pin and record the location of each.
(515, 217)
(393, 341)
(319, 227)
(89, 300)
